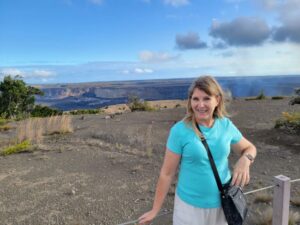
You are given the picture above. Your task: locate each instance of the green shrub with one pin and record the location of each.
(85, 111)
(136, 104)
(277, 97)
(289, 122)
(3, 121)
(295, 100)
(44, 111)
(261, 96)
(140, 106)
(3, 124)
(21, 147)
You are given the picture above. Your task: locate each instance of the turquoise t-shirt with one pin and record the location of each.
(196, 183)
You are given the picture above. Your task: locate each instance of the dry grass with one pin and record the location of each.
(296, 201)
(262, 197)
(65, 124)
(58, 125)
(33, 129)
(265, 217)
(5, 127)
(294, 218)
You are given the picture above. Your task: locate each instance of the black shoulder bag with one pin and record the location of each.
(232, 197)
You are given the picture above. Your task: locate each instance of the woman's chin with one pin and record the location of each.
(202, 118)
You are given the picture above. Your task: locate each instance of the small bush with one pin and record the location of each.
(261, 96)
(3, 121)
(44, 111)
(295, 100)
(136, 104)
(85, 111)
(277, 97)
(289, 122)
(21, 147)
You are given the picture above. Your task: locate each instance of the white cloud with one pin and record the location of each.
(176, 3)
(140, 70)
(27, 73)
(42, 73)
(12, 72)
(156, 57)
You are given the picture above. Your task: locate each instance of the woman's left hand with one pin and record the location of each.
(241, 172)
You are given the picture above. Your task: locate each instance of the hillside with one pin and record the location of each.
(99, 94)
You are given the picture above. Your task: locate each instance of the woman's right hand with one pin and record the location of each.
(147, 217)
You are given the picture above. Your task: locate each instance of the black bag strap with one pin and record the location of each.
(211, 160)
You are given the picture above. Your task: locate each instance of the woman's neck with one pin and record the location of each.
(206, 123)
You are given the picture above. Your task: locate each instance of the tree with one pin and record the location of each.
(16, 98)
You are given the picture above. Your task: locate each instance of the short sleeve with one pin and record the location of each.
(236, 135)
(174, 143)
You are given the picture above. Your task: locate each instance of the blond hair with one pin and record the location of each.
(210, 86)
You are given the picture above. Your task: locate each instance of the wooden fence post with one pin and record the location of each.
(281, 200)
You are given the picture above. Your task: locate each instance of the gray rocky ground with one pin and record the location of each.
(105, 171)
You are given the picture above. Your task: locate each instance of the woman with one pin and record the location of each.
(197, 198)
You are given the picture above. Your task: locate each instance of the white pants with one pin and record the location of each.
(185, 214)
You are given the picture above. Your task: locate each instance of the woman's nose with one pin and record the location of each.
(200, 104)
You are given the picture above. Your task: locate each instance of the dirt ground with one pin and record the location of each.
(106, 170)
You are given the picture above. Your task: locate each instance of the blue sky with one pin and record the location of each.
(63, 41)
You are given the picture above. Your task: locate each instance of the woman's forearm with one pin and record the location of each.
(251, 149)
(162, 188)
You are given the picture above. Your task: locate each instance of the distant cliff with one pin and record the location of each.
(98, 94)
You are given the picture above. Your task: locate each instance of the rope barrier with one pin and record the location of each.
(166, 211)
(257, 190)
(292, 181)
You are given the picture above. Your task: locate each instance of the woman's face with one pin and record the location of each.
(203, 106)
